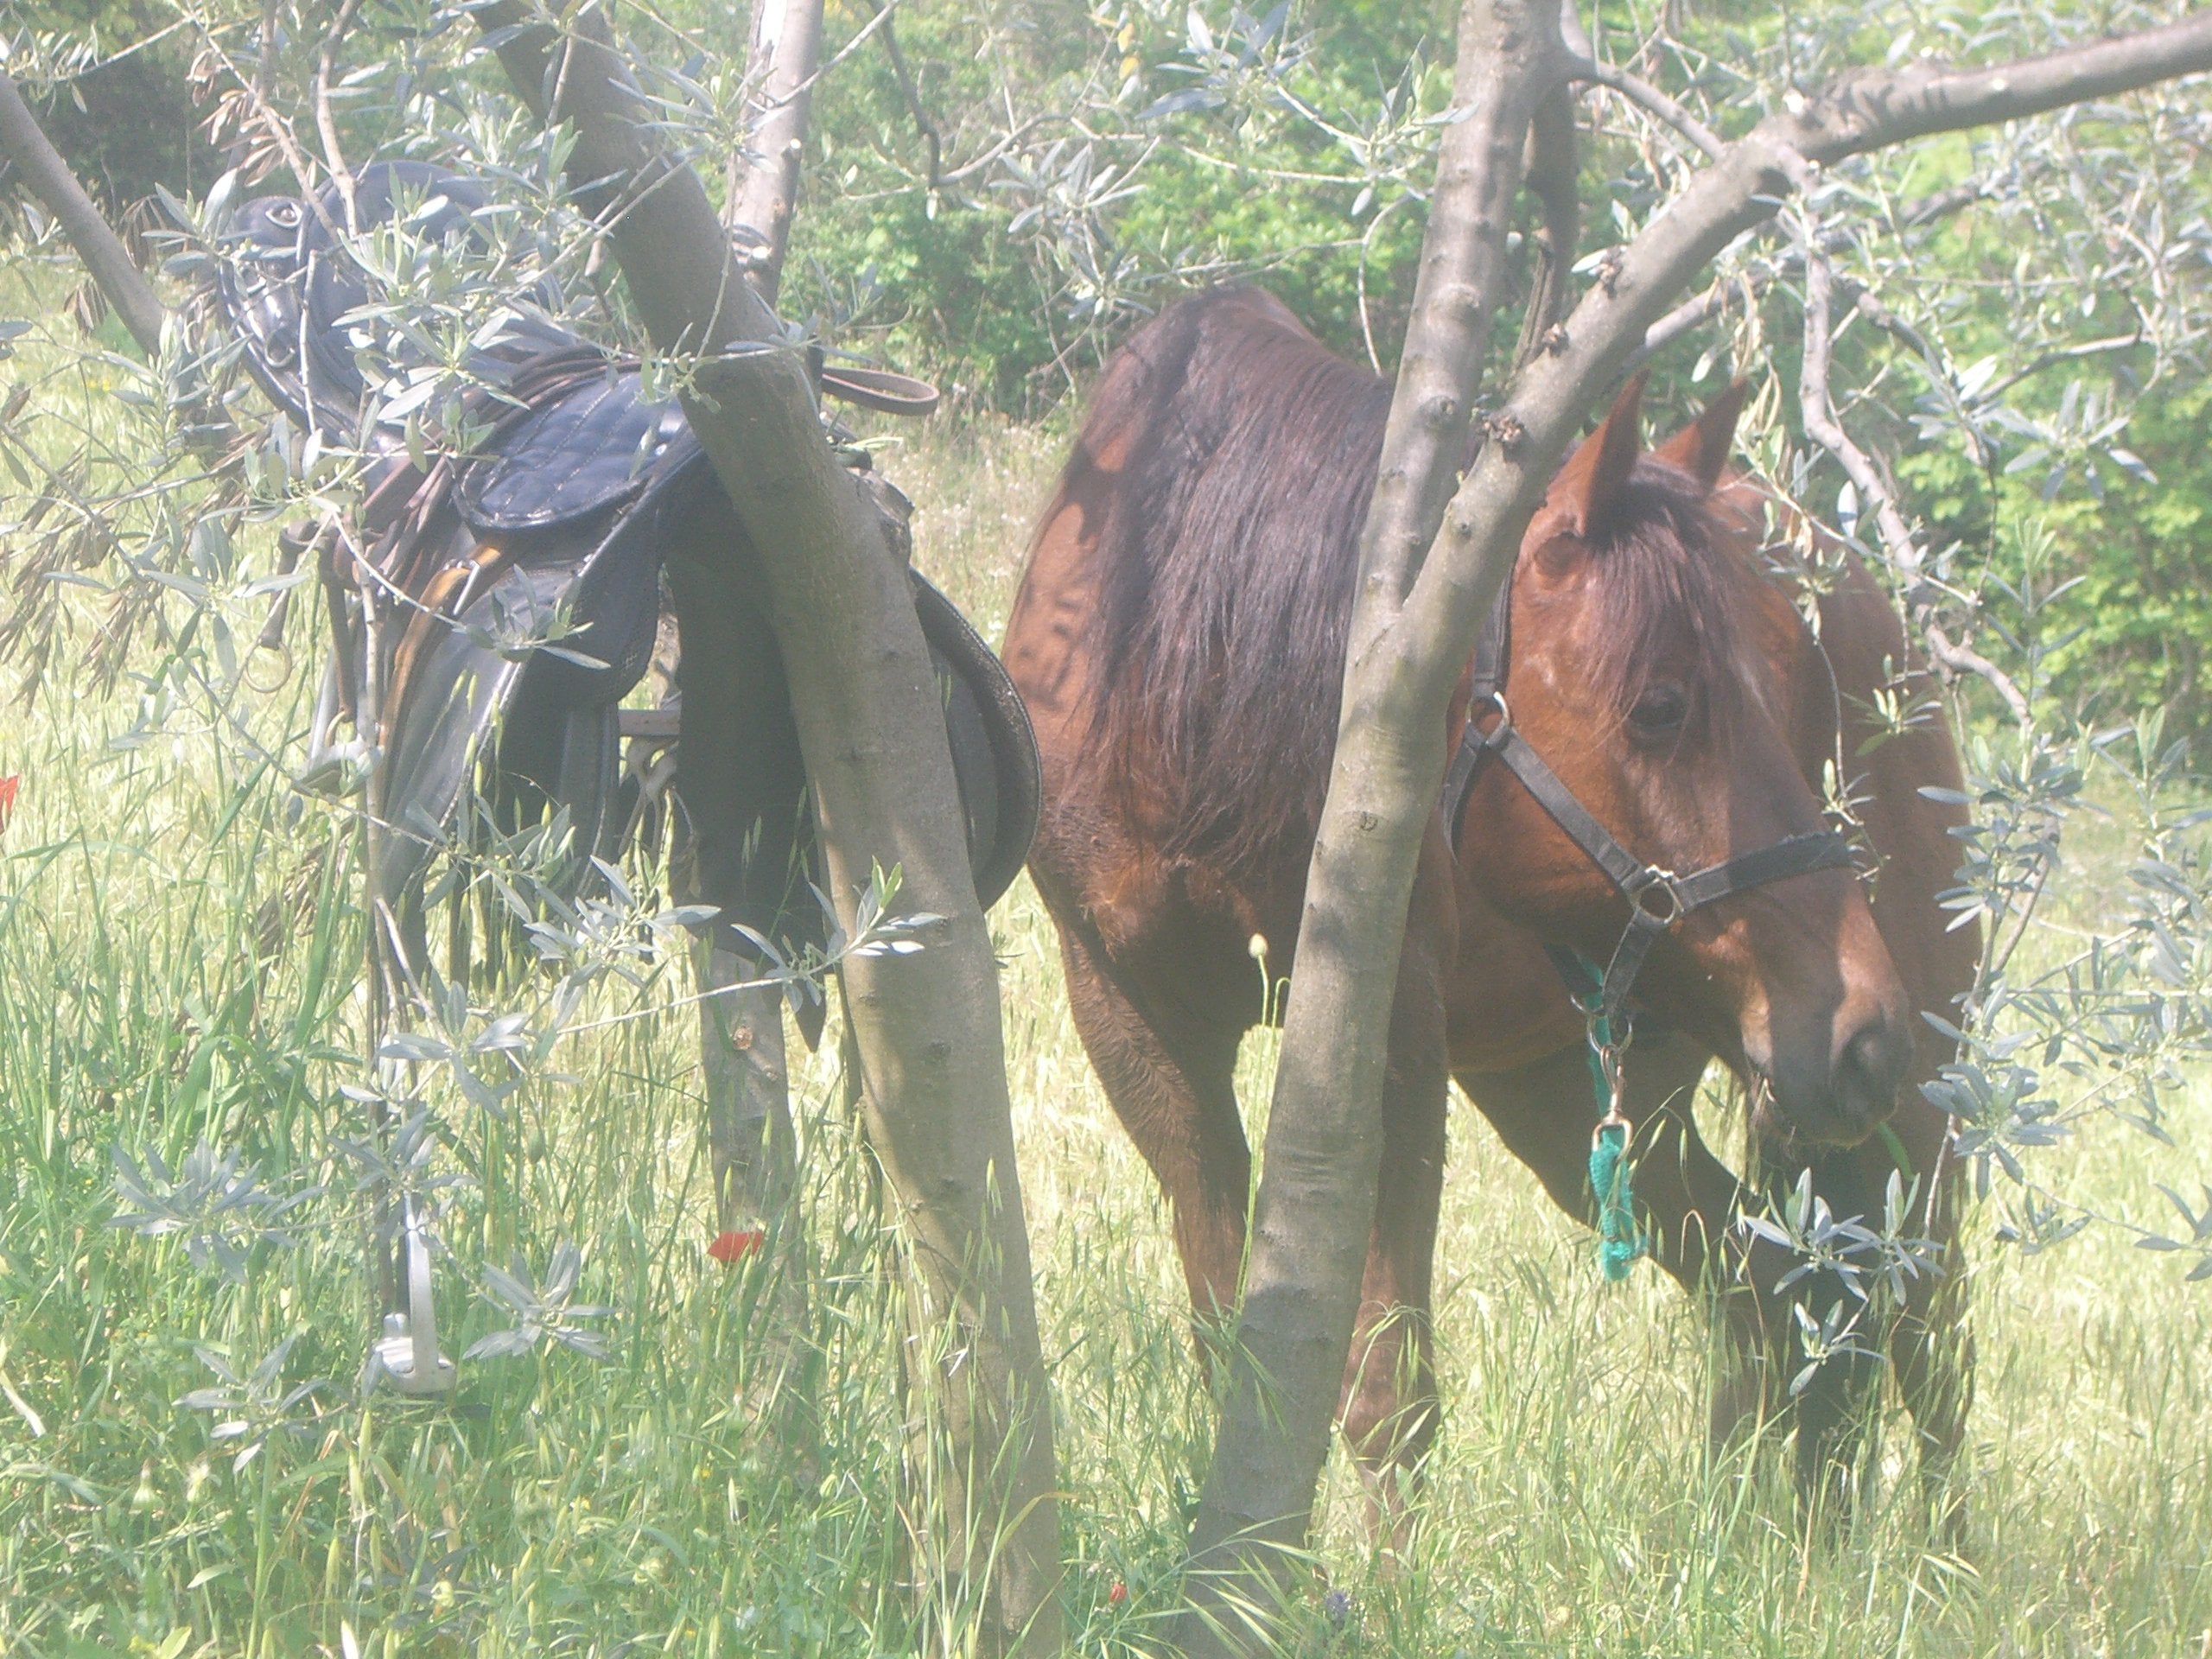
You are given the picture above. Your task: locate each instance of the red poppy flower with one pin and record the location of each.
(9, 786)
(730, 1248)
(1118, 1595)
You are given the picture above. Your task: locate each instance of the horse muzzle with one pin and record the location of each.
(1837, 1092)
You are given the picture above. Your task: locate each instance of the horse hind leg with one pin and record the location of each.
(1389, 1405)
(1173, 1086)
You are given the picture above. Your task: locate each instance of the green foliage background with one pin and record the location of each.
(951, 284)
(943, 283)
(959, 293)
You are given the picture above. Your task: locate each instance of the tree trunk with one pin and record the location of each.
(872, 731)
(1420, 603)
(784, 55)
(1317, 1200)
(49, 178)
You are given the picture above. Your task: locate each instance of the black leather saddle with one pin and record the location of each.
(514, 593)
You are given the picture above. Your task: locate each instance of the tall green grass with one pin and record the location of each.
(178, 951)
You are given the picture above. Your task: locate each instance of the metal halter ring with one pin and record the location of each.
(1608, 1056)
(1663, 883)
(1496, 699)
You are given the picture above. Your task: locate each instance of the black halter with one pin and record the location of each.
(1657, 899)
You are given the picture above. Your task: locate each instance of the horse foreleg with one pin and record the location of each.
(1931, 1345)
(1545, 1112)
(1173, 1088)
(1689, 1203)
(1686, 1200)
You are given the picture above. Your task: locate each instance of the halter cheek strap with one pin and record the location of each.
(1658, 897)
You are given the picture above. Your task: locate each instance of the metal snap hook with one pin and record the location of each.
(407, 1355)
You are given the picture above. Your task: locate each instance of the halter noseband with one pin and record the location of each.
(1658, 897)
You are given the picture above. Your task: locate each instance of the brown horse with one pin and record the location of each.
(1542, 1108)
(1179, 636)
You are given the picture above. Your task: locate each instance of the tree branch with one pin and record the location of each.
(769, 189)
(1316, 1202)
(1694, 313)
(932, 140)
(105, 258)
(1642, 93)
(1872, 111)
(326, 120)
(1818, 411)
(1554, 163)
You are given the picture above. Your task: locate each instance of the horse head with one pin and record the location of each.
(1676, 694)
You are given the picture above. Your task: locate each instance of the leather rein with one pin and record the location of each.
(1658, 897)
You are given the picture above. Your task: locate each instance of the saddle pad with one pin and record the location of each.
(595, 447)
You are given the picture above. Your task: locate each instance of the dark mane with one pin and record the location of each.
(1247, 453)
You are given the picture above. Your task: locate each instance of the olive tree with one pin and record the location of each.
(1436, 549)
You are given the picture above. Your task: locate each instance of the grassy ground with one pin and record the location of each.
(176, 964)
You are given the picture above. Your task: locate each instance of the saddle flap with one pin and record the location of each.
(593, 448)
(994, 760)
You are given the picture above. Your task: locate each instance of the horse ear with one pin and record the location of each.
(1586, 486)
(1702, 448)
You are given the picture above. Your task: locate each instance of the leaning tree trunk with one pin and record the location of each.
(872, 732)
(48, 178)
(1432, 562)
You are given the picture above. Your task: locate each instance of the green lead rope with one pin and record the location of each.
(1619, 1241)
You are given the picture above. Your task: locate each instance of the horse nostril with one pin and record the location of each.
(1869, 1065)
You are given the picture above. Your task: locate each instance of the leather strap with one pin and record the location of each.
(881, 390)
(1816, 850)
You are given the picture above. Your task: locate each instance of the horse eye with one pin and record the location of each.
(1660, 711)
